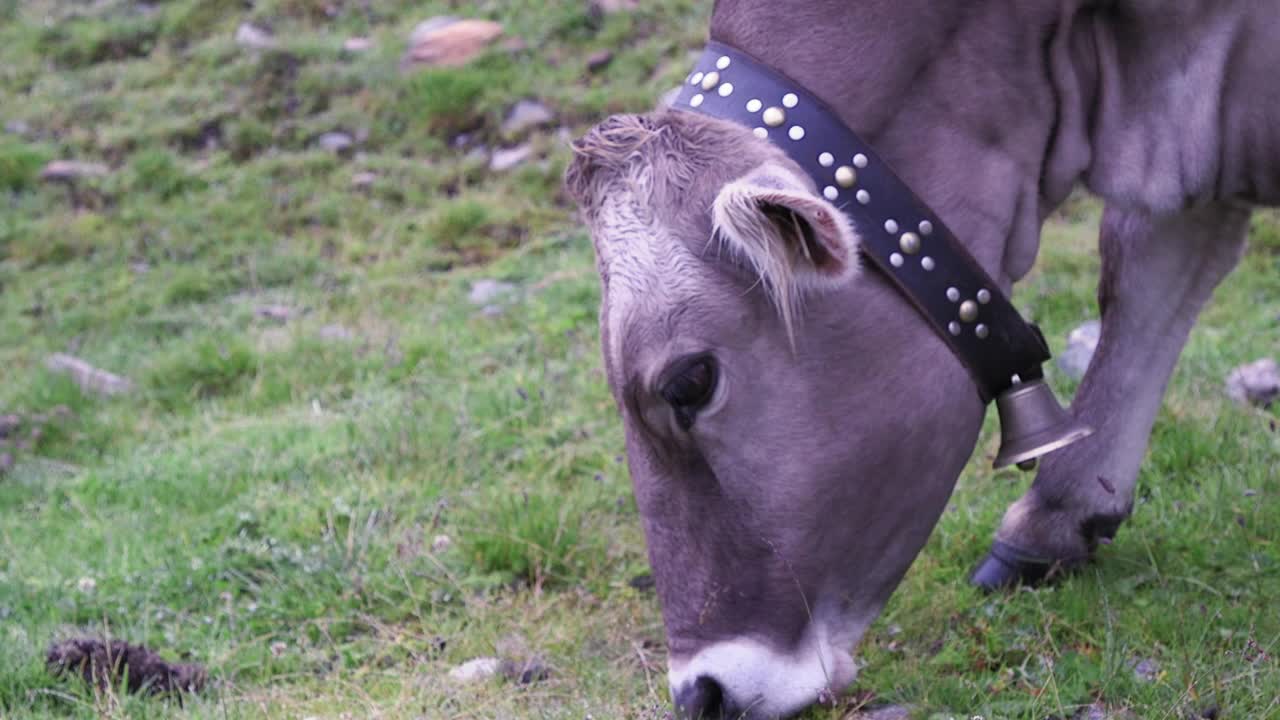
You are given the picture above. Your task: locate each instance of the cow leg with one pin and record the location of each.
(1157, 273)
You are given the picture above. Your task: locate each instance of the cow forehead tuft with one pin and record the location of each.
(648, 271)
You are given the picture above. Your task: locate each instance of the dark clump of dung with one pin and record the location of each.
(104, 663)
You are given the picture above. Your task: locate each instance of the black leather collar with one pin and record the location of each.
(900, 234)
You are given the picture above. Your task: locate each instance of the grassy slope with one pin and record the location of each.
(267, 501)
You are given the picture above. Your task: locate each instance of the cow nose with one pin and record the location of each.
(703, 700)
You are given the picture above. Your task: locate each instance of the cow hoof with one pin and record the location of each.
(1006, 566)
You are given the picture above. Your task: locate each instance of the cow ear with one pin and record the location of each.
(795, 240)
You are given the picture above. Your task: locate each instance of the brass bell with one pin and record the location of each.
(1032, 423)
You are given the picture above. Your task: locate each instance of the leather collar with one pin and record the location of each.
(900, 235)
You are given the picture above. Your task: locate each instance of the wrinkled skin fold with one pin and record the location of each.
(793, 427)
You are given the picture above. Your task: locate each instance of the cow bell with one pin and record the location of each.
(1033, 423)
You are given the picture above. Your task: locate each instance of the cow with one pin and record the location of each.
(794, 428)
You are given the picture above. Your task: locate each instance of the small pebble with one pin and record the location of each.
(357, 44)
(504, 159)
(336, 333)
(276, 313)
(1146, 669)
(1082, 343)
(599, 60)
(253, 37)
(486, 291)
(526, 115)
(1257, 383)
(476, 670)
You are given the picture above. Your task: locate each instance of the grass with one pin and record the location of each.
(273, 498)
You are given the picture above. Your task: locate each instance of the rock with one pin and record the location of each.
(609, 7)
(336, 333)
(1098, 711)
(17, 127)
(1257, 383)
(9, 425)
(363, 180)
(527, 671)
(1146, 669)
(88, 377)
(1081, 344)
(253, 37)
(336, 142)
(524, 116)
(6, 462)
(642, 582)
(599, 60)
(486, 291)
(69, 171)
(357, 45)
(440, 544)
(884, 712)
(277, 313)
(476, 670)
(448, 42)
(478, 155)
(505, 159)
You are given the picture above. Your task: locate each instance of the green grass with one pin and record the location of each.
(268, 500)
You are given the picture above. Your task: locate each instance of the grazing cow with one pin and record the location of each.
(794, 426)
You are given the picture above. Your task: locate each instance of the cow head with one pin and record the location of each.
(793, 427)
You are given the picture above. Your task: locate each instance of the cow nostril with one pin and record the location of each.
(703, 700)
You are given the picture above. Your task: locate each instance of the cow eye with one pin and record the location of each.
(690, 389)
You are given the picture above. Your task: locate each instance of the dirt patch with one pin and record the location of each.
(113, 663)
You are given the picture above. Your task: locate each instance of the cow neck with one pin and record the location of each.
(900, 235)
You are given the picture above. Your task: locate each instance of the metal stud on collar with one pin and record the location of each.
(947, 286)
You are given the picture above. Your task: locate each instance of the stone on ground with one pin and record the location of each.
(363, 180)
(1146, 669)
(526, 115)
(357, 45)
(475, 670)
(505, 159)
(88, 377)
(449, 42)
(336, 142)
(486, 291)
(1099, 711)
(275, 313)
(608, 7)
(884, 712)
(253, 37)
(599, 60)
(9, 425)
(69, 171)
(1257, 383)
(1081, 345)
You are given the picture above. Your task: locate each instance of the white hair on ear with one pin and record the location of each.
(782, 258)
